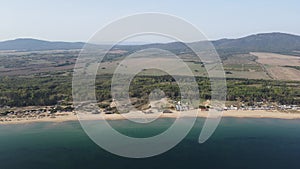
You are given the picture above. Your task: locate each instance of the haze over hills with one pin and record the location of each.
(266, 42)
(28, 44)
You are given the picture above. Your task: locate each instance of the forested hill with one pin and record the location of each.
(267, 42)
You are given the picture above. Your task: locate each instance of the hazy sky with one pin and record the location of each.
(77, 20)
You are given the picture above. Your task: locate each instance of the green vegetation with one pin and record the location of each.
(294, 67)
(27, 91)
(49, 90)
(44, 77)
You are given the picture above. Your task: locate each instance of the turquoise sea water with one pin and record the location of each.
(237, 143)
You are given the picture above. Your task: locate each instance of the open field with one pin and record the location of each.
(249, 66)
(29, 63)
(244, 66)
(248, 75)
(277, 59)
(284, 73)
(279, 67)
(167, 63)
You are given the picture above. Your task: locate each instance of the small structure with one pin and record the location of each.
(182, 107)
(108, 112)
(113, 104)
(148, 112)
(95, 112)
(167, 111)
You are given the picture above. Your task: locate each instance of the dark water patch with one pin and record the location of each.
(237, 143)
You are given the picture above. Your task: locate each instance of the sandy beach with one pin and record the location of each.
(68, 116)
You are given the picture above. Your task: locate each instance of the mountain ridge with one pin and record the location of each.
(262, 42)
(30, 44)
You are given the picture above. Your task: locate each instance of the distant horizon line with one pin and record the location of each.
(145, 42)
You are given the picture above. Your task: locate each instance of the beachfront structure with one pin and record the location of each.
(182, 107)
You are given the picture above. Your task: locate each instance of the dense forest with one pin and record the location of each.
(49, 90)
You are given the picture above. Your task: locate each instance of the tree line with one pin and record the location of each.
(49, 90)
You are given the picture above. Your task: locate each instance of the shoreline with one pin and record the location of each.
(258, 114)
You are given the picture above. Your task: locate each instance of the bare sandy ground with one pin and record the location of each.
(284, 73)
(275, 65)
(276, 59)
(175, 114)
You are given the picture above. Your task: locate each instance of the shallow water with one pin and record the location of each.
(237, 143)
